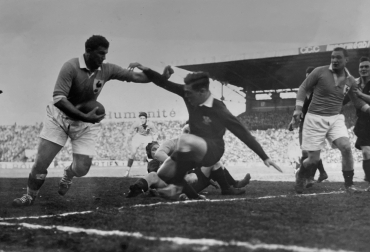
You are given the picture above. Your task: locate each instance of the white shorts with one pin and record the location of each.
(138, 139)
(317, 128)
(57, 127)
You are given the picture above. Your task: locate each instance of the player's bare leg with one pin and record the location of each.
(344, 146)
(45, 154)
(134, 150)
(80, 167)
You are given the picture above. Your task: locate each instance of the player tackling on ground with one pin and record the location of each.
(329, 85)
(80, 80)
(208, 120)
(142, 132)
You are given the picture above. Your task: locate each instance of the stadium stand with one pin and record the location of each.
(268, 127)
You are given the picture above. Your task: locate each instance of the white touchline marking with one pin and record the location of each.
(224, 200)
(178, 240)
(168, 203)
(45, 216)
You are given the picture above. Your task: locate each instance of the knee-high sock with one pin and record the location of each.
(230, 180)
(130, 162)
(189, 190)
(321, 167)
(219, 176)
(348, 177)
(34, 184)
(184, 163)
(366, 167)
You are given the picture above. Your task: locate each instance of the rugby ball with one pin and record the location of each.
(90, 105)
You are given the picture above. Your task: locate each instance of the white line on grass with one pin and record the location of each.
(224, 200)
(177, 240)
(45, 216)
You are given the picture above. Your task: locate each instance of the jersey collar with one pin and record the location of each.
(81, 61)
(345, 70)
(208, 102)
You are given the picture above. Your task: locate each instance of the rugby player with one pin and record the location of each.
(323, 120)
(362, 125)
(142, 132)
(208, 120)
(323, 175)
(80, 80)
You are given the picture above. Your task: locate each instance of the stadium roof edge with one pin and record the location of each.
(276, 70)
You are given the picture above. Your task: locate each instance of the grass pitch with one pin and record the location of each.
(96, 216)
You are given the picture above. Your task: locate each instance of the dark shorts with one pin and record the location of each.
(215, 150)
(362, 141)
(362, 132)
(202, 182)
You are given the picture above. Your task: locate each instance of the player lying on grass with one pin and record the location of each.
(199, 178)
(208, 120)
(80, 80)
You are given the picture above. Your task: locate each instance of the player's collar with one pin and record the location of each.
(208, 102)
(348, 74)
(82, 63)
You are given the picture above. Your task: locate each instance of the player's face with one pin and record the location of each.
(195, 97)
(142, 119)
(97, 56)
(154, 149)
(364, 68)
(338, 60)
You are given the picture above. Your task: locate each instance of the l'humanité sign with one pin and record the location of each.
(157, 114)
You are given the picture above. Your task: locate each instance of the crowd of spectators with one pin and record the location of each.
(269, 128)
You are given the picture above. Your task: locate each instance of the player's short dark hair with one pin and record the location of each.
(364, 58)
(143, 114)
(197, 80)
(148, 149)
(309, 69)
(338, 49)
(95, 41)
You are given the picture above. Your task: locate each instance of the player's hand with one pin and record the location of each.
(358, 92)
(137, 65)
(296, 119)
(269, 162)
(92, 117)
(167, 72)
(291, 125)
(214, 184)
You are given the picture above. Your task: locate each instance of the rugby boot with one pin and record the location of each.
(64, 184)
(322, 177)
(135, 190)
(310, 182)
(300, 181)
(233, 191)
(243, 182)
(25, 200)
(353, 189)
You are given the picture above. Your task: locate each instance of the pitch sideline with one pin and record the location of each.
(178, 240)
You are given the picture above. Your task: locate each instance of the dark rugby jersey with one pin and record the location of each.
(210, 122)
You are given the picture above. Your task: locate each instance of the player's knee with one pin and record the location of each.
(152, 177)
(184, 143)
(81, 167)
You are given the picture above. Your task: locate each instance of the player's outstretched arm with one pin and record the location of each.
(268, 162)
